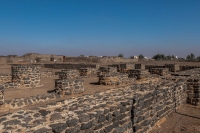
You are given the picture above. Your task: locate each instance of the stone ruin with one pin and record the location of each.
(87, 72)
(193, 91)
(113, 79)
(159, 71)
(131, 108)
(1, 94)
(5, 77)
(27, 75)
(68, 74)
(69, 87)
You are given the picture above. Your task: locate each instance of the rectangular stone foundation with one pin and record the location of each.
(69, 87)
(193, 91)
(138, 73)
(113, 79)
(1, 94)
(159, 71)
(87, 72)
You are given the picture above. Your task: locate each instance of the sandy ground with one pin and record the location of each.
(185, 120)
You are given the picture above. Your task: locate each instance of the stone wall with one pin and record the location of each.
(70, 66)
(69, 74)
(114, 79)
(125, 67)
(150, 107)
(159, 71)
(138, 73)
(45, 74)
(87, 72)
(134, 108)
(26, 75)
(193, 91)
(5, 77)
(173, 67)
(105, 70)
(22, 102)
(188, 67)
(139, 66)
(1, 94)
(153, 66)
(69, 87)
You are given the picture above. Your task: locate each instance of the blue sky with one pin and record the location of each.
(100, 27)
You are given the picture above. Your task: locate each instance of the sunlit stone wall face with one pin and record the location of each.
(27, 75)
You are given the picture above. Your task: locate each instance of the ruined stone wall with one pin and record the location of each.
(188, 67)
(138, 73)
(159, 71)
(154, 66)
(125, 67)
(114, 79)
(134, 108)
(70, 66)
(69, 87)
(173, 67)
(10, 59)
(69, 74)
(1, 94)
(26, 75)
(193, 91)
(45, 74)
(139, 66)
(5, 77)
(87, 72)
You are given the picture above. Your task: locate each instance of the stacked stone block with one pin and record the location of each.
(106, 70)
(138, 73)
(193, 91)
(1, 94)
(188, 67)
(69, 74)
(150, 107)
(117, 66)
(125, 110)
(153, 66)
(159, 71)
(27, 75)
(45, 74)
(71, 66)
(139, 66)
(5, 77)
(125, 67)
(173, 67)
(87, 72)
(11, 85)
(113, 79)
(69, 87)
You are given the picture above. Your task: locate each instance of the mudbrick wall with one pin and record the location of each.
(26, 75)
(70, 66)
(134, 108)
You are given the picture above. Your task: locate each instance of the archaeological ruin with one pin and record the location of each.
(140, 95)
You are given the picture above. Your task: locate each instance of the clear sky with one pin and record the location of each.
(100, 27)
